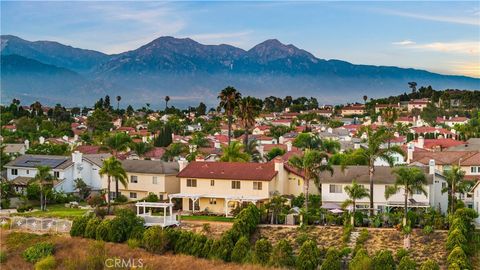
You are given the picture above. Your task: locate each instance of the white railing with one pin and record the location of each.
(37, 224)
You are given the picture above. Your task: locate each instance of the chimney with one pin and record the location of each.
(27, 144)
(77, 157)
(431, 166)
(356, 145)
(41, 140)
(200, 158)
(396, 134)
(281, 140)
(65, 138)
(410, 150)
(330, 130)
(289, 146)
(444, 117)
(261, 150)
(421, 142)
(216, 144)
(182, 163)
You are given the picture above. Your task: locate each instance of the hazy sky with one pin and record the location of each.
(438, 36)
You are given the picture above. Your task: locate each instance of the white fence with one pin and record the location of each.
(37, 224)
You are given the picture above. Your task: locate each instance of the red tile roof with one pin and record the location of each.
(229, 170)
(156, 152)
(431, 130)
(88, 149)
(442, 143)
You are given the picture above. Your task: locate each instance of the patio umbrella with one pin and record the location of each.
(336, 211)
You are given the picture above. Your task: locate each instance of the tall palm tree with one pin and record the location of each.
(455, 183)
(330, 146)
(251, 149)
(118, 102)
(116, 143)
(45, 180)
(234, 153)
(229, 98)
(167, 99)
(311, 164)
(411, 179)
(248, 109)
(112, 167)
(389, 115)
(365, 99)
(413, 86)
(355, 192)
(375, 151)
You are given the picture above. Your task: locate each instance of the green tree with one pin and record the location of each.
(100, 120)
(263, 250)
(407, 264)
(411, 179)
(355, 192)
(274, 152)
(455, 183)
(247, 110)
(429, 265)
(140, 148)
(375, 151)
(199, 140)
(282, 255)
(112, 167)
(361, 261)
(234, 153)
(308, 257)
(44, 178)
(383, 260)
(332, 260)
(311, 164)
(117, 143)
(240, 250)
(229, 98)
(167, 99)
(174, 150)
(307, 141)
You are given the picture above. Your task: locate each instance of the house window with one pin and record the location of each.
(133, 179)
(133, 195)
(257, 185)
(475, 169)
(212, 183)
(190, 205)
(417, 192)
(191, 182)
(235, 184)
(335, 188)
(14, 172)
(154, 180)
(56, 174)
(444, 185)
(28, 171)
(112, 195)
(213, 201)
(160, 197)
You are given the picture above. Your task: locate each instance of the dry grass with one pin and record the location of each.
(216, 228)
(73, 253)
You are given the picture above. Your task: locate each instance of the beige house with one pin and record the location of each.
(147, 176)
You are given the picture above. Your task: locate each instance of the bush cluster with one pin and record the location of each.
(38, 251)
(461, 229)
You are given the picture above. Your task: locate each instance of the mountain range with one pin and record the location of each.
(190, 72)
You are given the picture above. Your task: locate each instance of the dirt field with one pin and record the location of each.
(73, 253)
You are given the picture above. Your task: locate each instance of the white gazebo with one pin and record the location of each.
(150, 220)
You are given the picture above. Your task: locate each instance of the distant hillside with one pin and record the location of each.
(191, 72)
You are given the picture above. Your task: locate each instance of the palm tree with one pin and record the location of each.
(276, 205)
(117, 143)
(45, 180)
(112, 167)
(248, 109)
(199, 140)
(389, 115)
(229, 98)
(330, 146)
(413, 86)
(375, 151)
(365, 99)
(234, 153)
(355, 192)
(456, 183)
(140, 148)
(118, 102)
(411, 179)
(311, 164)
(167, 99)
(174, 150)
(251, 149)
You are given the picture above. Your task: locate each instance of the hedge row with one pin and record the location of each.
(461, 229)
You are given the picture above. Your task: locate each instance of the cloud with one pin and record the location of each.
(404, 42)
(465, 19)
(458, 47)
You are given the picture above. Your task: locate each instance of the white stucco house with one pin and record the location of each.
(475, 191)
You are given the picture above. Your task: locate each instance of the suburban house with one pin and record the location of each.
(381, 107)
(147, 176)
(65, 169)
(419, 104)
(333, 188)
(15, 149)
(475, 192)
(354, 109)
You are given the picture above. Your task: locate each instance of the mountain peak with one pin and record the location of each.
(273, 49)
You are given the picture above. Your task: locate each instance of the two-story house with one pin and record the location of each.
(475, 192)
(147, 176)
(333, 188)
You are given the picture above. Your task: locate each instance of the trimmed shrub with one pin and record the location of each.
(383, 260)
(301, 238)
(456, 238)
(121, 199)
(362, 237)
(133, 243)
(240, 250)
(123, 225)
(427, 230)
(197, 245)
(182, 244)
(400, 254)
(407, 264)
(137, 233)
(103, 230)
(47, 263)
(91, 228)
(282, 255)
(332, 260)
(78, 226)
(154, 240)
(429, 265)
(224, 248)
(308, 258)
(361, 261)
(458, 256)
(207, 248)
(263, 250)
(38, 251)
(152, 197)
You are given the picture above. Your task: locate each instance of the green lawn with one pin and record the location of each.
(55, 211)
(208, 218)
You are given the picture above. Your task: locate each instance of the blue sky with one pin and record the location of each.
(438, 36)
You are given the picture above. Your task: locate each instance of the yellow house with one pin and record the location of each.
(147, 176)
(219, 187)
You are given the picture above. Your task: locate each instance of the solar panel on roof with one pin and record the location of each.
(35, 161)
